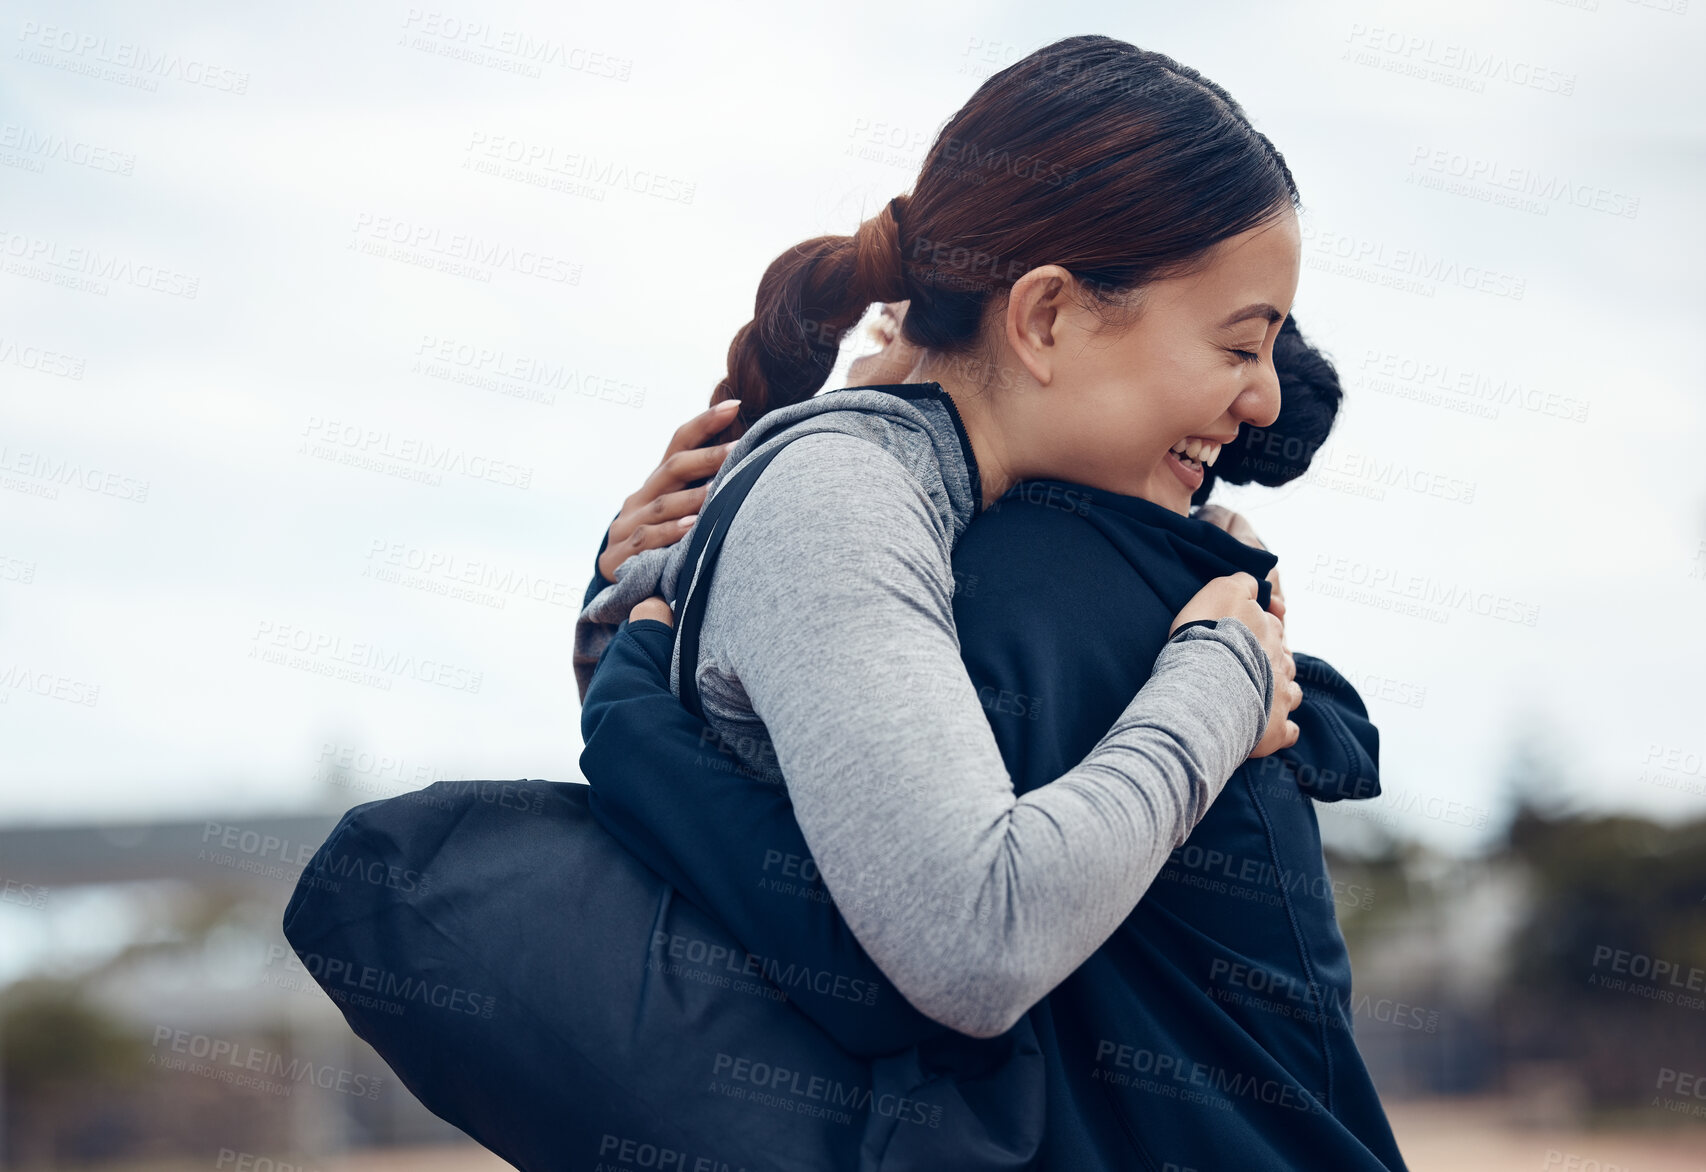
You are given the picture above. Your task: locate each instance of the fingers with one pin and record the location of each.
(1267, 628)
(1276, 599)
(885, 327)
(687, 458)
(1282, 732)
(702, 427)
(665, 521)
(653, 608)
(657, 536)
(1233, 596)
(1217, 515)
(1286, 688)
(643, 537)
(1245, 532)
(680, 469)
(672, 506)
(665, 506)
(1236, 524)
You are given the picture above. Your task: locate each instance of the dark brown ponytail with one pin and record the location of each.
(809, 297)
(1118, 164)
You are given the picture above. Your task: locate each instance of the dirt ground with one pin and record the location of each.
(1478, 1136)
(1448, 1136)
(1436, 1136)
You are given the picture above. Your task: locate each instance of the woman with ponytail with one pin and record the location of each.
(1213, 1027)
(1098, 254)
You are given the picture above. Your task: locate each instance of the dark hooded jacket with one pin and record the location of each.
(1213, 1030)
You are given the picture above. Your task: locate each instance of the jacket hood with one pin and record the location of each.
(1337, 755)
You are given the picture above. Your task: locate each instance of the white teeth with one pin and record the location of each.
(1201, 450)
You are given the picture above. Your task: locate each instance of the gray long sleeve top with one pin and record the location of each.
(829, 650)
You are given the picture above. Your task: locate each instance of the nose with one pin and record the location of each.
(1259, 403)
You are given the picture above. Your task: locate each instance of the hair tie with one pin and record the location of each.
(897, 206)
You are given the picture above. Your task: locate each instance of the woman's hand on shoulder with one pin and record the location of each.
(1234, 523)
(664, 508)
(1234, 597)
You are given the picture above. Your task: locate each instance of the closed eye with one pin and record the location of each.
(1248, 355)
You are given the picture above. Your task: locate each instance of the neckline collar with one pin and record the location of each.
(935, 391)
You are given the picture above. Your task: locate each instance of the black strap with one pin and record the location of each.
(707, 544)
(1211, 624)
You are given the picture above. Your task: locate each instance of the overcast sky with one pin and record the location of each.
(250, 280)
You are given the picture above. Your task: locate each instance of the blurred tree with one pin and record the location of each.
(1610, 964)
(50, 1034)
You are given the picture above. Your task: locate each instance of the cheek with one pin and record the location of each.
(1209, 394)
(1147, 395)
(1184, 405)
(1176, 379)
(1140, 420)
(1132, 438)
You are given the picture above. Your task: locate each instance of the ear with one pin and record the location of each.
(1033, 319)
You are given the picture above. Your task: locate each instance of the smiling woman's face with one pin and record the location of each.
(1136, 410)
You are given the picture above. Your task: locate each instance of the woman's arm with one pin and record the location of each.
(659, 514)
(832, 606)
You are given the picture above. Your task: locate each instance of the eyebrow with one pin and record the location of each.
(1258, 309)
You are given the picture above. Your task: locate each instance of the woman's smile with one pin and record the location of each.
(1191, 455)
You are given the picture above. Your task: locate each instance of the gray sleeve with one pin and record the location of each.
(834, 611)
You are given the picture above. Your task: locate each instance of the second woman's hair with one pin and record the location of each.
(1116, 163)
